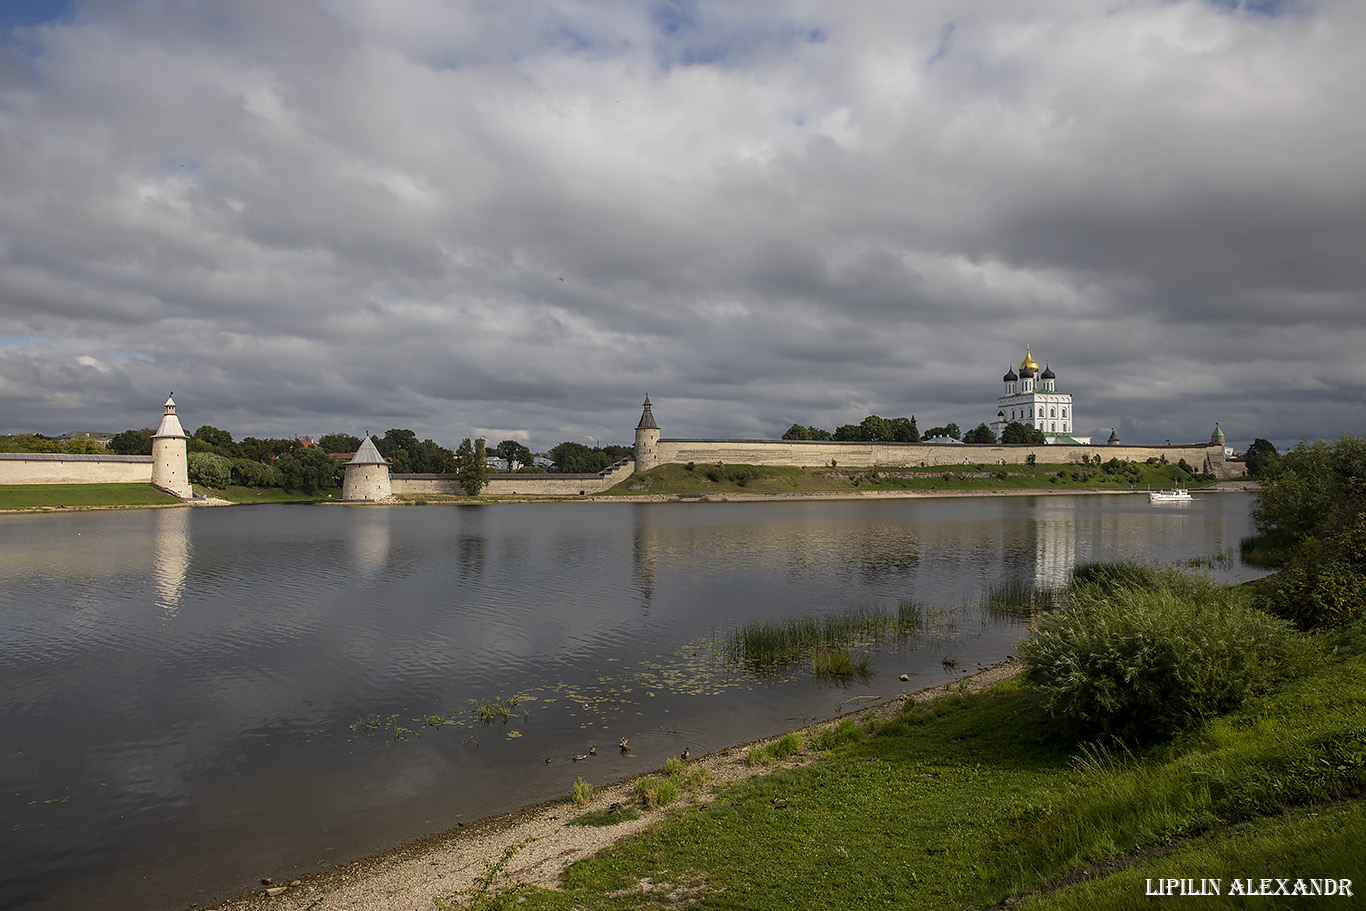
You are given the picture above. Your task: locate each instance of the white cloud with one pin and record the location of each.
(352, 214)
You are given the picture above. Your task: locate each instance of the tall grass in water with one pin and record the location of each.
(1019, 598)
(826, 641)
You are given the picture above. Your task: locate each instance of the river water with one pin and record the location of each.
(194, 699)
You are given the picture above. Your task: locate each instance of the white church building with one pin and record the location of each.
(1032, 398)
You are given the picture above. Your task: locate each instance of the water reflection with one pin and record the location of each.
(370, 540)
(170, 556)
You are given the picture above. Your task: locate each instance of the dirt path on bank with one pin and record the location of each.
(411, 877)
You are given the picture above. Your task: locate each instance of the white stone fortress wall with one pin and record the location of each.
(60, 468)
(813, 453)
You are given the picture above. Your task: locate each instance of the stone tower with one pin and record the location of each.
(170, 464)
(647, 440)
(367, 475)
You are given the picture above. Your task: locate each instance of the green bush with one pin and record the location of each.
(1314, 590)
(248, 473)
(1144, 661)
(209, 469)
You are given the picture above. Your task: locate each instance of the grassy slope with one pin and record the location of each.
(967, 803)
(39, 496)
(87, 496)
(675, 479)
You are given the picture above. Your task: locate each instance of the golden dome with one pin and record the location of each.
(1029, 363)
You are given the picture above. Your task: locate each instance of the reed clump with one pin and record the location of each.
(1020, 598)
(825, 641)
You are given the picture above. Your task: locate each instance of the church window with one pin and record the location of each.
(1052, 412)
(1064, 412)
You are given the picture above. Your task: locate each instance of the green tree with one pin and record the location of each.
(515, 453)
(309, 469)
(339, 442)
(616, 453)
(264, 450)
(980, 434)
(1016, 434)
(132, 442)
(576, 458)
(1314, 489)
(904, 430)
(948, 430)
(407, 454)
(470, 467)
(219, 441)
(797, 432)
(1261, 457)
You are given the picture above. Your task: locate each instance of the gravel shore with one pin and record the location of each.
(411, 877)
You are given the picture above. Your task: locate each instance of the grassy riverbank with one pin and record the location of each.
(710, 480)
(973, 801)
(42, 497)
(81, 496)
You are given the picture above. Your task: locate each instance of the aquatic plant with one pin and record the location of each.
(822, 640)
(1018, 597)
(840, 664)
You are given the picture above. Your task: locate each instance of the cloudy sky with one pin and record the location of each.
(515, 218)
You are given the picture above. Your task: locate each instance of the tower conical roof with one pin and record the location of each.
(1028, 363)
(647, 418)
(170, 424)
(367, 454)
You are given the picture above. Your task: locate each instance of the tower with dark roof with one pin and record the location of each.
(647, 439)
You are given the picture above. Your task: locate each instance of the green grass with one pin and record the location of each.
(81, 496)
(264, 494)
(676, 480)
(1297, 844)
(967, 802)
(89, 496)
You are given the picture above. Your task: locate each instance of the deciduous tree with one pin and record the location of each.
(980, 434)
(470, 467)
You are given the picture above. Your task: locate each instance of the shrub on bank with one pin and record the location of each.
(1143, 661)
(1324, 582)
(209, 469)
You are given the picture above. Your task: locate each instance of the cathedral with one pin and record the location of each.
(1033, 398)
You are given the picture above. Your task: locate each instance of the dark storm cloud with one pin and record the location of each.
(518, 219)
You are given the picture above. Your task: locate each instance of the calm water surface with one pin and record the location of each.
(193, 699)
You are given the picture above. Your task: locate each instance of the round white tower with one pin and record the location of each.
(367, 475)
(170, 464)
(647, 440)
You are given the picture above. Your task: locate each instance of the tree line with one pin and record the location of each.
(875, 429)
(217, 460)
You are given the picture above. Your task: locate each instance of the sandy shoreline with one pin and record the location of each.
(410, 877)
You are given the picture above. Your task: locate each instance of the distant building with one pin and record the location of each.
(1032, 399)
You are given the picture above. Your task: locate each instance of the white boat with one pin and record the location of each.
(1175, 495)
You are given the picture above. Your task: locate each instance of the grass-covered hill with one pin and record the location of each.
(696, 479)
